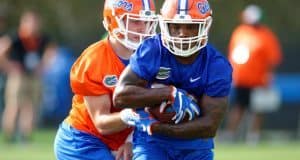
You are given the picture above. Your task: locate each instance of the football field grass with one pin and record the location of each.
(42, 149)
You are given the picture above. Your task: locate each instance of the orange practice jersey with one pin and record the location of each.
(95, 73)
(253, 52)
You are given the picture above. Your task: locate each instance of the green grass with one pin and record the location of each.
(42, 149)
(264, 151)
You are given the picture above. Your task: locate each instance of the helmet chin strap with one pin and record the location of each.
(123, 39)
(185, 53)
(128, 44)
(179, 51)
(131, 45)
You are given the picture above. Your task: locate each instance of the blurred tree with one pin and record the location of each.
(78, 23)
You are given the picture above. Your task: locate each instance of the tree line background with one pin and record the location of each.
(77, 23)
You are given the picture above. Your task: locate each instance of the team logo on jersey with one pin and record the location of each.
(110, 80)
(163, 73)
(203, 7)
(127, 6)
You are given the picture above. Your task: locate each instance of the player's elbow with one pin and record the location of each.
(105, 131)
(211, 132)
(103, 128)
(212, 128)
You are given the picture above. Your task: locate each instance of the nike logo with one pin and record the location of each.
(194, 79)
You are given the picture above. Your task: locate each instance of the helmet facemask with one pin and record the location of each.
(185, 46)
(130, 37)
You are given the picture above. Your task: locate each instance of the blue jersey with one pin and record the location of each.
(209, 74)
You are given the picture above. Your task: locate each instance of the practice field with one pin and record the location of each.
(42, 149)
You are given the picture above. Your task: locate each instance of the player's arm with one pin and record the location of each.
(131, 92)
(99, 110)
(213, 110)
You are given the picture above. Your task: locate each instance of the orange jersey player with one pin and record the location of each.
(94, 129)
(254, 52)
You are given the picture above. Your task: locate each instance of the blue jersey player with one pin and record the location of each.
(181, 59)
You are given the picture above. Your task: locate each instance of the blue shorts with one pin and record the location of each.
(72, 144)
(144, 149)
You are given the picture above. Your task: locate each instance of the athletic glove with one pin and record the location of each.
(182, 103)
(141, 120)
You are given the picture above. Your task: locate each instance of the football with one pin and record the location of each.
(166, 116)
(169, 113)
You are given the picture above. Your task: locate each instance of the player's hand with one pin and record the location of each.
(142, 121)
(145, 122)
(183, 104)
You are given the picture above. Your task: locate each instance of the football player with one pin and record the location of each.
(93, 128)
(181, 59)
(255, 53)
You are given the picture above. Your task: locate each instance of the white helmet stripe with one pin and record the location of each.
(146, 5)
(182, 7)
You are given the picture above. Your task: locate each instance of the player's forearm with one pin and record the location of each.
(131, 96)
(186, 130)
(203, 127)
(110, 123)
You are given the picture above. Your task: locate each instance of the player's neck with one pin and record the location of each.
(120, 49)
